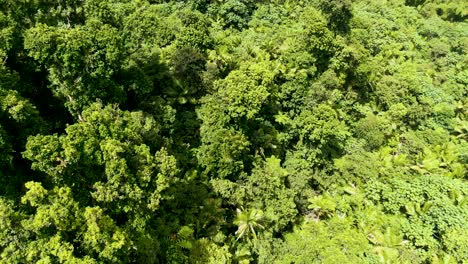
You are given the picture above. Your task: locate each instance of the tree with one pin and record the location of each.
(113, 165)
(339, 14)
(247, 222)
(82, 62)
(264, 190)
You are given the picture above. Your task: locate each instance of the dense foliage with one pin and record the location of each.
(233, 131)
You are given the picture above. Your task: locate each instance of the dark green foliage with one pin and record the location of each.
(339, 14)
(81, 61)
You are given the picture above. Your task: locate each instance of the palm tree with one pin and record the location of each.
(247, 222)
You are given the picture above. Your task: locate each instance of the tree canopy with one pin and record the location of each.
(234, 131)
